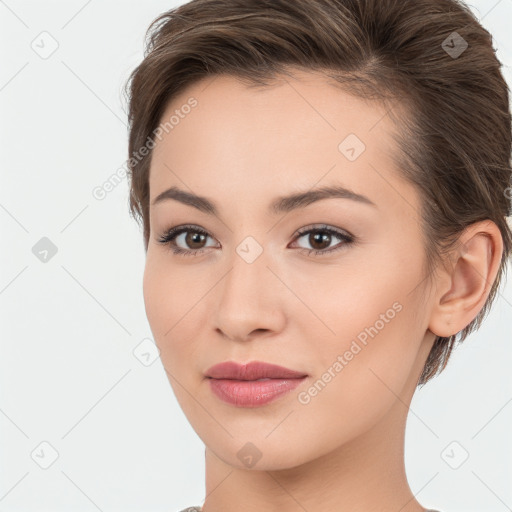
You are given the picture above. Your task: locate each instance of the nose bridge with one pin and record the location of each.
(247, 280)
(248, 295)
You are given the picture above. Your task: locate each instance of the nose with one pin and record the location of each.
(250, 300)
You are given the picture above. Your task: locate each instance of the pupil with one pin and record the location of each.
(319, 238)
(194, 238)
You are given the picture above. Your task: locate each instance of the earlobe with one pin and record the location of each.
(462, 290)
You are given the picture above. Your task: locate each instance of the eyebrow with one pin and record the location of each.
(283, 204)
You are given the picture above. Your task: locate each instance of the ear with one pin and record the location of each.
(464, 286)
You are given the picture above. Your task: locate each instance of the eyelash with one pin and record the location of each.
(170, 235)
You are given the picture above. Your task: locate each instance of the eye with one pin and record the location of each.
(194, 237)
(321, 237)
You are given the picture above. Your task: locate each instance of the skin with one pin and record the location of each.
(243, 147)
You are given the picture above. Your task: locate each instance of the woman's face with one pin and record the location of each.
(351, 315)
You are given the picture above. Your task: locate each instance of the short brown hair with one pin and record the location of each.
(454, 143)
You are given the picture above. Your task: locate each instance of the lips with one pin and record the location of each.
(254, 370)
(253, 384)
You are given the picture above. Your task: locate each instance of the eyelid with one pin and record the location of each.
(172, 233)
(323, 227)
(346, 238)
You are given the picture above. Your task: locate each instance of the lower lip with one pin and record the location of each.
(252, 393)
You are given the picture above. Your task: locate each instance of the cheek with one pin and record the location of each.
(167, 291)
(155, 300)
(360, 372)
(175, 301)
(166, 299)
(375, 328)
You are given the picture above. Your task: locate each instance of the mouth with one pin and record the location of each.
(252, 393)
(254, 370)
(252, 385)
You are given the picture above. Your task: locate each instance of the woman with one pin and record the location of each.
(323, 188)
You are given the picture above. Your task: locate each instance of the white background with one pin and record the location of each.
(69, 326)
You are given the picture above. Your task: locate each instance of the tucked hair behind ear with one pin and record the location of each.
(453, 143)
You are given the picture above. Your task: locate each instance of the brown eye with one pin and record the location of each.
(195, 240)
(190, 240)
(186, 240)
(320, 238)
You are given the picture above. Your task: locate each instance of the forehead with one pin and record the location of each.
(239, 141)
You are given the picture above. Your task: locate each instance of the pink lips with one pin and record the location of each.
(239, 384)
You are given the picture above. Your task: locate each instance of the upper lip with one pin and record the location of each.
(253, 370)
